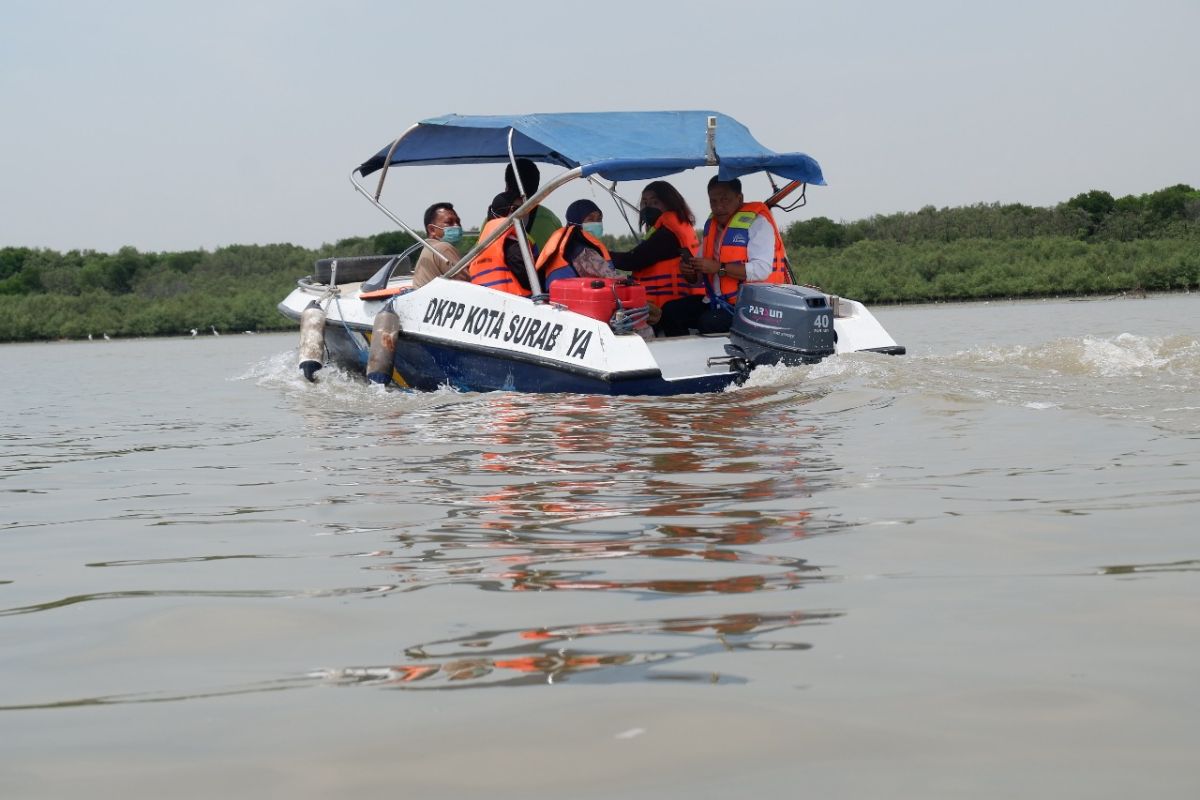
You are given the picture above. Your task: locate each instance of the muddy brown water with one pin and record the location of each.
(973, 571)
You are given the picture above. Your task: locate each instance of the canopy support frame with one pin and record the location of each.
(524, 209)
(535, 285)
(373, 199)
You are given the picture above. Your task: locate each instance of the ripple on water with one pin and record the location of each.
(504, 512)
(596, 652)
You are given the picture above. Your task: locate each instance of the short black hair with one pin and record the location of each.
(732, 183)
(431, 212)
(531, 177)
(504, 204)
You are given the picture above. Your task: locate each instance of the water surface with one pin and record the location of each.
(969, 571)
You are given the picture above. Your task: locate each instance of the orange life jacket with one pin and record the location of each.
(553, 255)
(662, 279)
(733, 244)
(488, 269)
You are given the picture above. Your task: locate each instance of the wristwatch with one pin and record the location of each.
(721, 271)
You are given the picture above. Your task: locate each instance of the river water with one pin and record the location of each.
(973, 571)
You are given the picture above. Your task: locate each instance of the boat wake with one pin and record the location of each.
(1146, 378)
(1153, 379)
(339, 389)
(1124, 355)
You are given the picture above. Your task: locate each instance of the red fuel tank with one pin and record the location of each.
(596, 297)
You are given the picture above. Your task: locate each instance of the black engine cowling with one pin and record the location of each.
(781, 324)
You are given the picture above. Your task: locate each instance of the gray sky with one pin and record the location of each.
(172, 126)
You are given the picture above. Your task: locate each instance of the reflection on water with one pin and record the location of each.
(592, 499)
(525, 564)
(531, 656)
(968, 559)
(538, 512)
(268, 490)
(543, 655)
(1191, 565)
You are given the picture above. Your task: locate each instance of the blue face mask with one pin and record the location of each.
(451, 234)
(594, 228)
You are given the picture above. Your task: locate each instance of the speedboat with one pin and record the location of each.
(363, 313)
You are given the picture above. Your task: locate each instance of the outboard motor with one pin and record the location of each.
(781, 324)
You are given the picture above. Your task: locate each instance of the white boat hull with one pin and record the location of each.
(477, 339)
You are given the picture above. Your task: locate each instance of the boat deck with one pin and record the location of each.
(687, 356)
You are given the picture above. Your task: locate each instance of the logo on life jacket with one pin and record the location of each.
(736, 237)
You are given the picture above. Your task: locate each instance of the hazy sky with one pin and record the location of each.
(171, 126)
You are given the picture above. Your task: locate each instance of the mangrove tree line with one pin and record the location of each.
(1093, 243)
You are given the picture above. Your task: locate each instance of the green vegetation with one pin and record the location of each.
(50, 295)
(1091, 244)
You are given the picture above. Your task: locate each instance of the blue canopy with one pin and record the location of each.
(616, 145)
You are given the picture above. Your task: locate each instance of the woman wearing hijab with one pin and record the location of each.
(575, 250)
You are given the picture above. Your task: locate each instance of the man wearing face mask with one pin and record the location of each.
(741, 245)
(655, 262)
(443, 230)
(576, 251)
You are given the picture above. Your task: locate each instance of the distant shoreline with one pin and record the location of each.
(287, 326)
(1091, 247)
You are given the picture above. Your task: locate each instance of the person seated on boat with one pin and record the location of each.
(575, 250)
(500, 265)
(541, 221)
(443, 230)
(741, 245)
(655, 261)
